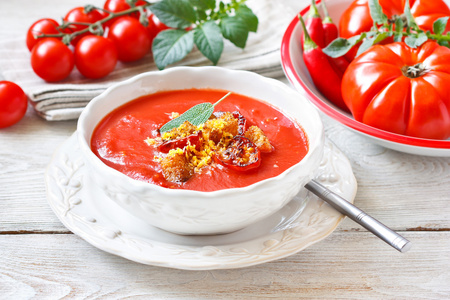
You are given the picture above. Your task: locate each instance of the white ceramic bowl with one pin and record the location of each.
(193, 212)
(297, 73)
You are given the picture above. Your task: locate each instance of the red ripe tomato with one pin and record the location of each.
(42, 26)
(13, 103)
(79, 15)
(52, 60)
(356, 18)
(95, 56)
(131, 39)
(400, 89)
(155, 26)
(121, 5)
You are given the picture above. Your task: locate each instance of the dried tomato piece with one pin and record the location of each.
(240, 155)
(193, 139)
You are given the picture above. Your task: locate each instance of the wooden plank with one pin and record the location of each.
(347, 265)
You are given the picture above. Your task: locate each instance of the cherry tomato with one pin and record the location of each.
(400, 89)
(42, 26)
(131, 39)
(121, 5)
(240, 155)
(78, 14)
(52, 60)
(155, 26)
(13, 103)
(95, 56)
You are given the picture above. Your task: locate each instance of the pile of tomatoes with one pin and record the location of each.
(391, 86)
(96, 52)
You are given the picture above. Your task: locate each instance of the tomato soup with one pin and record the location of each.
(119, 140)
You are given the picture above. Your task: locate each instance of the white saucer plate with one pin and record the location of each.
(86, 210)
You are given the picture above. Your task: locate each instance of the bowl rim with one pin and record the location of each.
(315, 143)
(337, 114)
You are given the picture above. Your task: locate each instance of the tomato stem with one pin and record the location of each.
(414, 71)
(91, 27)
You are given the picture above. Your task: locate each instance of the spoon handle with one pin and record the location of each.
(340, 204)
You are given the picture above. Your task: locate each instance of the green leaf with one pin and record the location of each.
(415, 41)
(376, 12)
(196, 115)
(409, 17)
(172, 45)
(398, 25)
(235, 30)
(209, 41)
(444, 43)
(398, 37)
(175, 13)
(247, 15)
(366, 44)
(204, 4)
(341, 46)
(439, 25)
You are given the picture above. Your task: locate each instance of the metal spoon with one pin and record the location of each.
(343, 206)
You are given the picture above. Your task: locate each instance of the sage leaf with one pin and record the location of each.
(366, 44)
(234, 30)
(209, 41)
(196, 115)
(172, 45)
(249, 18)
(175, 13)
(439, 25)
(376, 12)
(341, 46)
(415, 41)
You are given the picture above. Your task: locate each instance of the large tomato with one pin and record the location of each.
(401, 89)
(356, 18)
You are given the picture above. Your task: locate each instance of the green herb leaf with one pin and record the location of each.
(204, 4)
(341, 46)
(196, 115)
(417, 40)
(409, 17)
(247, 15)
(172, 45)
(376, 12)
(234, 29)
(209, 41)
(175, 13)
(439, 25)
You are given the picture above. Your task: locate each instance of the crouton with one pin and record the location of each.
(176, 167)
(257, 136)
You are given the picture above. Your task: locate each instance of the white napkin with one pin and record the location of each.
(66, 99)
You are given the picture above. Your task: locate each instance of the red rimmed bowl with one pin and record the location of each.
(297, 73)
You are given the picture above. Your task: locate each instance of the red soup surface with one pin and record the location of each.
(119, 139)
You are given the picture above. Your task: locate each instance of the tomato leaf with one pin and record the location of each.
(171, 45)
(439, 25)
(175, 13)
(209, 41)
(196, 115)
(409, 17)
(415, 41)
(376, 12)
(341, 46)
(249, 18)
(235, 30)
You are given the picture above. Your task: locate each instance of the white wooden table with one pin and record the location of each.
(40, 258)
